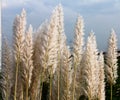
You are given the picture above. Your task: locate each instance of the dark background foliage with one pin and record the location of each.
(116, 88)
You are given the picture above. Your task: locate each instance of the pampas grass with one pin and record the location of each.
(88, 69)
(49, 49)
(77, 51)
(45, 68)
(6, 71)
(66, 75)
(18, 30)
(35, 87)
(101, 86)
(27, 61)
(61, 42)
(111, 60)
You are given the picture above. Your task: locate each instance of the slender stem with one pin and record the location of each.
(7, 86)
(67, 84)
(74, 80)
(59, 74)
(41, 85)
(40, 88)
(27, 90)
(50, 96)
(58, 85)
(22, 93)
(50, 89)
(16, 78)
(89, 96)
(27, 82)
(111, 91)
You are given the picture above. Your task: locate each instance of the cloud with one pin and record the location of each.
(99, 15)
(12, 3)
(88, 2)
(117, 4)
(83, 6)
(4, 5)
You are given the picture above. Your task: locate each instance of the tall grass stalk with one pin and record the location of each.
(101, 86)
(18, 32)
(41, 84)
(51, 76)
(16, 78)
(37, 73)
(77, 51)
(111, 60)
(111, 89)
(61, 40)
(27, 61)
(66, 74)
(74, 81)
(6, 70)
(48, 55)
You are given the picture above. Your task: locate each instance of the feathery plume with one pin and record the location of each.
(48, 49)
(48, 55)
(6, 71)
(111, 60)
(77, 53)
(61, 42)
(96, 65)
(27, 60)
(66, 75)
(35, 86)
(101, 87)
(18, 33)
(88, 69)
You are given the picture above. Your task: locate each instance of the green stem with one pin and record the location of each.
(111, 91)
(89, 97)
(50, 85)
(41, 86)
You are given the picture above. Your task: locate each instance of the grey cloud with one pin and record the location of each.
(100, 17)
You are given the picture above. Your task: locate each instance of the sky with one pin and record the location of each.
(100, 16)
